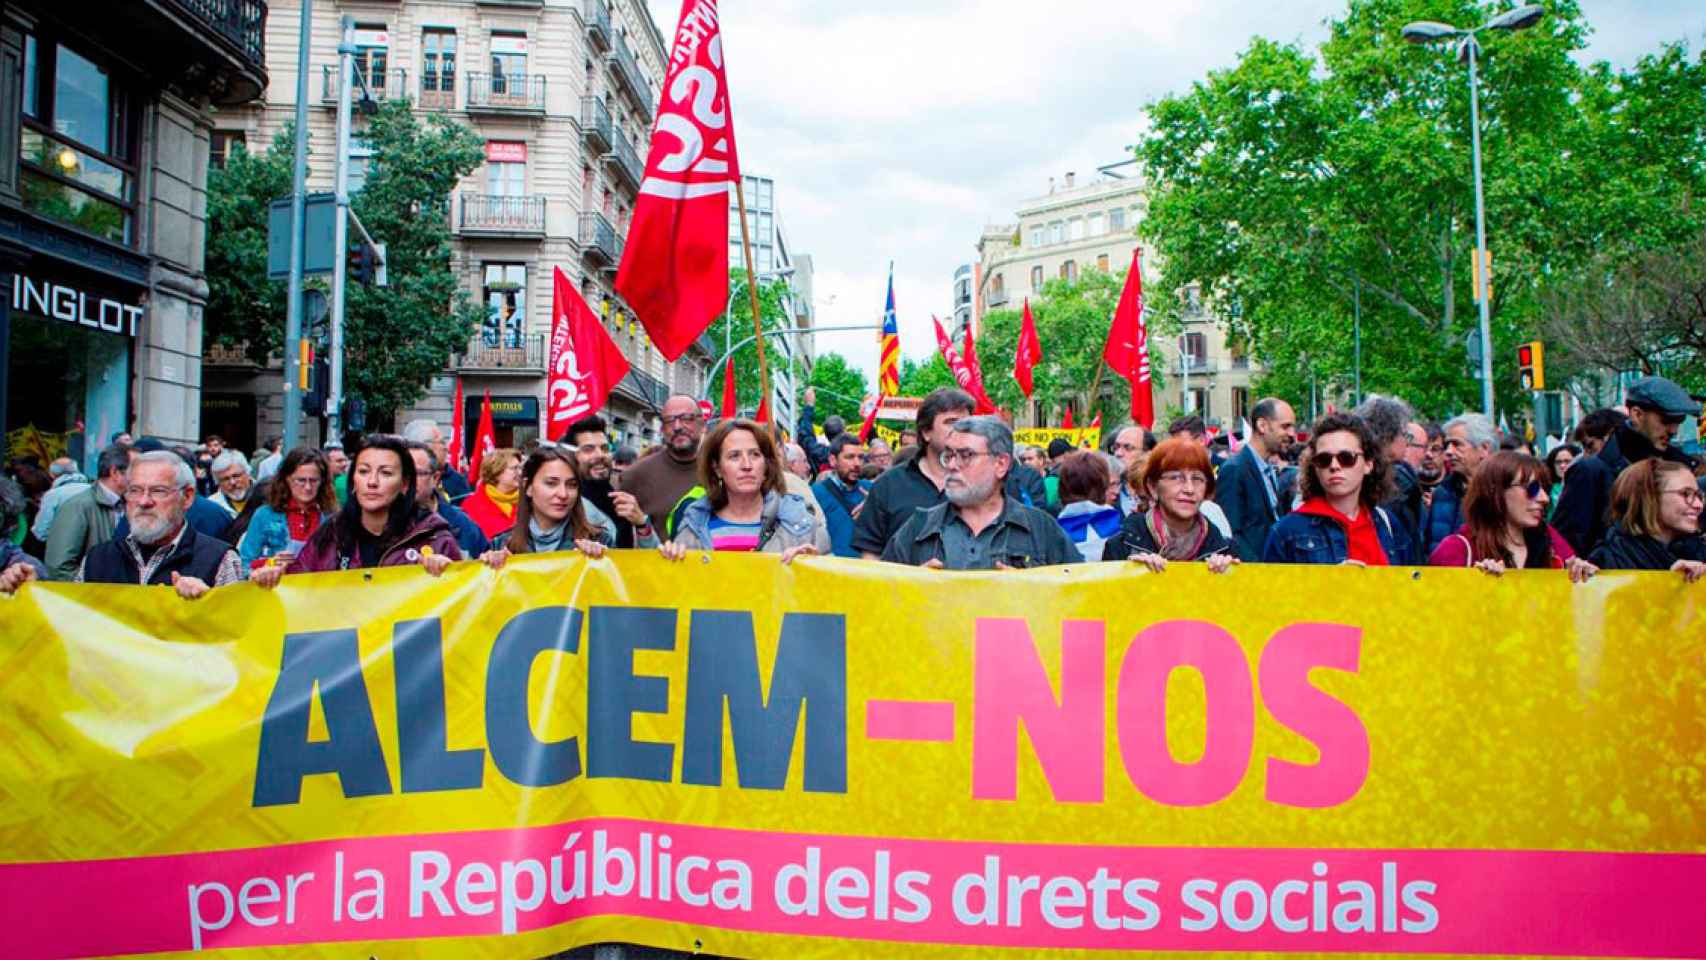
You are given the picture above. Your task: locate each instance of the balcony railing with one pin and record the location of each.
(595, 124)
(438, 91)
(624, 160)
(384, 84)
(645, 388)
(996, 298)
(599, 240)
(629, 78)
(242, 22)
(484, 213)
(505, 352)
(1190, 363)
(597, 15)
(506, 93)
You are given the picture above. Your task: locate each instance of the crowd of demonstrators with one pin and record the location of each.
(1247, 487)
(553, 515)
(1177, 478)
(337, 464)
(1596, 428)
(976, 521)
(841, 492)
(1558, 463)
(621, 460)
(664, 479)
(1469, 440)
(381, 525)
(160, 546)
(746, 506)
(1505, 524)
(429, 496)
(492, 506)
(1343, 481)
(299, 498)
(68, 481)
(879, 456)
(817, 451)
(1404, 440)
(1655, 508)
(87, 520)
(454, 486)
(1085, 513)
(1657, 408)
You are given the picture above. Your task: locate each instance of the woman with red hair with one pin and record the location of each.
(1178, 478)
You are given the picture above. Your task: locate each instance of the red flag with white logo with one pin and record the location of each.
(1029, 353)
(957, 364)
(585, 363)
(984, 405)
(485, 440)
(1127, 350)
(675, 266)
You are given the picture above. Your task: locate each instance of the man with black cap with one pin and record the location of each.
(1657, 408)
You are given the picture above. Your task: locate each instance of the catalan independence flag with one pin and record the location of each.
(888, 368)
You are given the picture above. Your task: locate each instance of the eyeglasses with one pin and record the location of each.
(305, 481)
(1689, 494)
(151, 493)
(1191, 478)
(681, 419)
(951, 458)
(1346, 459)
(1532, 488)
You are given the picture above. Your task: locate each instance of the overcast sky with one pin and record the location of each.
(895, 129)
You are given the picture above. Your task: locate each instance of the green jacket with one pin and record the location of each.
(82, 524)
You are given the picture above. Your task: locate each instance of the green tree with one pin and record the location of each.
(397, 337)
(841, 387)
(736, 326)
(1293, 183)
(919, 378)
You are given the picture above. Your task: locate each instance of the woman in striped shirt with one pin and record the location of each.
(746, 507)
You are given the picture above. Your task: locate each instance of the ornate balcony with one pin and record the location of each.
(383, 84)
(491, 215)
(629, 78)
(595, 125)
(624, 161)
(509, 94)
(597, 17)
(599, 241)
(507, 353)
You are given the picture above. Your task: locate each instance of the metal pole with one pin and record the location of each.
(298, 201)
(1481, 265)
(1356, 334)
(340, 232)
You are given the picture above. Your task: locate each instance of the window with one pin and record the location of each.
(1194, 348)
(77, 146)
(506, 304)
(997, 288)
(506, 168)
(1037, 236)
(361, 154)
(509, 64)
(1069, 270)
(373, 56)
(1097, 225)
(223, 144)
(764, 190)
(1116, 220)
(1057, 232)
(1240, 404)
(1075, 228)
(1197, 402)
(1036, 278)
(1102, 262)
(438, 68)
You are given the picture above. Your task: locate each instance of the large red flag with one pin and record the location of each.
(675, 266)
(458, 431)
(978, 392)
(585, 363)
(1127, 350)
(1029, 352)
(957, 364)
(485, 440)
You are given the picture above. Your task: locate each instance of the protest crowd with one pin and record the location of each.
(1375, 486)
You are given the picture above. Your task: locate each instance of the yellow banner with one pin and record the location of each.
(735, 757)
(1084, 438)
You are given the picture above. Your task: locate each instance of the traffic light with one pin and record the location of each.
(359, 262)
(314, 397)
(1531, 364)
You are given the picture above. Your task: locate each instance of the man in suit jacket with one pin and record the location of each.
(1247, 487)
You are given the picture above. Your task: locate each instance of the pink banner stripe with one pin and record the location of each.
(922, 720)
(865, 888)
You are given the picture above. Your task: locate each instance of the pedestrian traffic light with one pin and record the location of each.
(1531, 364)
(359, 262)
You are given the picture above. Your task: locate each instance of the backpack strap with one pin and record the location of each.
(1468, 550)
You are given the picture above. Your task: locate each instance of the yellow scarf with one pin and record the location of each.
(504, 501)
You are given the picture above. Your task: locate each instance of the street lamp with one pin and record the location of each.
(1428, 31)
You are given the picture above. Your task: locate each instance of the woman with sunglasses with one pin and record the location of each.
(1504, 513)
(299, 498)
(1655, 510)
(1342, 481)
(1177, 478)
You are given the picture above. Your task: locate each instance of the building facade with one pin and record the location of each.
(963, 313)
(1080, 226)
(104, 136)
(773, 258)
(563, 93)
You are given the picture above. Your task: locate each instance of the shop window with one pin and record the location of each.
(506, 304)
(223, 144)
(77, 146)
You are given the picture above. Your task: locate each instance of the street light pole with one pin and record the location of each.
(298, 209)
(340, 233)
(1483, 282)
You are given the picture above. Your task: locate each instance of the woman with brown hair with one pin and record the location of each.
(746, 506)
(551, 514)
(1504, 514)
(299, 498)
(1177, 479)
(1084, 513)
(1655, 509)
(1343, 481)
(492, 505)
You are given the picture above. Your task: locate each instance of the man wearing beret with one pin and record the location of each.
(1657, 408)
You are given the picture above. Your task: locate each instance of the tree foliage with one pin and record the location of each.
(397, 337)
(841, 387)
(1295, 181)
(918, 378)
(735, 326)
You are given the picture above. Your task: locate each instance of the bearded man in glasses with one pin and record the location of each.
(161, 547)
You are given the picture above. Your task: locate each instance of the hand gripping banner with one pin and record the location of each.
(736, 757)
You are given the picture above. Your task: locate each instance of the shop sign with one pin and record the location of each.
(58, 300)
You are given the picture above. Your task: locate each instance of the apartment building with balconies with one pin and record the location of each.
(564, 93)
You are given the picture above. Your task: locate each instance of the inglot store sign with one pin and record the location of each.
(57, 300)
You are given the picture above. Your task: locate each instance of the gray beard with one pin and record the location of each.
(968, 495)
(149, 533)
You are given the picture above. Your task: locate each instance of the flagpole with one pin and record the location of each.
(752, 291)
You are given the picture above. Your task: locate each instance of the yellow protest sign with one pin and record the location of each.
(737, 757)
(1088, 438)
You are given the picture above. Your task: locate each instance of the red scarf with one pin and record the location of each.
(1362, 540)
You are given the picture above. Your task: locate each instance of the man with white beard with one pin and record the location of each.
(161, 547)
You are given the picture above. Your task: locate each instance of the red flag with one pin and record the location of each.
(983, 403)
(870, 421)
(1029, 352)
(585, 363)
(675, 266)
(485, 440)
(1066, 421)
(730, 405)
(458, 431)
(1127, 350)
(962, 373)
(763, 414)
(1096, 422)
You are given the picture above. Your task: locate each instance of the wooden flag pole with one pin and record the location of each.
(752, 293)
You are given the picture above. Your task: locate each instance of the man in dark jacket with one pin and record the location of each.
(841, 493)
(1246, 486)
(1657, 408)
(590, 439)
(1469, 439)
(833, 426)
(161, 547)
(430, 497)
(979, 527)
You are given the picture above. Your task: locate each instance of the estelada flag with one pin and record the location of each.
(586, 365)
(1029, 353)
(1127, 350)
(485, 440)
(675, 266)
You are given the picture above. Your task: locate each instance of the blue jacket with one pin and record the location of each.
(1445, 513)
(10, 554)
(268, 533)
(836, 515)
(1243, 497)
(1306, 538)
(469, 536)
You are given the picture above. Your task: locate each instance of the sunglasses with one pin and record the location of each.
(1532, 488)
(1346, 458)
(1673, 419)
